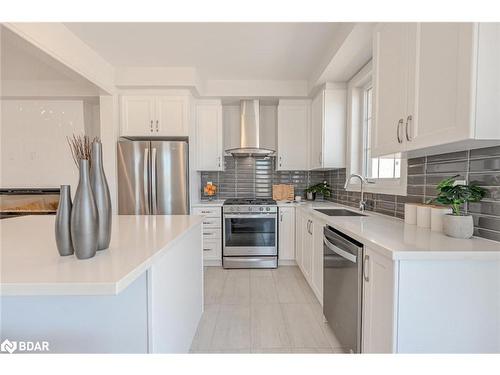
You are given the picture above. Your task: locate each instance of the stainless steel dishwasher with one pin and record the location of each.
(342, 287)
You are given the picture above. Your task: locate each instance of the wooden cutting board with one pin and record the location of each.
(283, 192)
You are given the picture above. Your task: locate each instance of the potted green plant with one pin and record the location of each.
(323, 188)
(458, 224)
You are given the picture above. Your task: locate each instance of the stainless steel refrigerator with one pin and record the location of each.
(152, 177)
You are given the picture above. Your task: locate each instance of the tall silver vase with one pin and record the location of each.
(63, 222)
(84, 219)
(102, 197)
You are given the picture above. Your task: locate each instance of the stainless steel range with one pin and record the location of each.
(250, 233)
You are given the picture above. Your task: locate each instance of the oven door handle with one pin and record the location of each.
(257, 216)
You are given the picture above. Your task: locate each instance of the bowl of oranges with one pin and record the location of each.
(210, 190)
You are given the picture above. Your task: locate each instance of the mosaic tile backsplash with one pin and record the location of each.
(253, 178)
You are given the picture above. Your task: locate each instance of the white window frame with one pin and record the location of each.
(355, 139)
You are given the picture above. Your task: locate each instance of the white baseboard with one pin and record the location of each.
(212, 263)
(287, 262)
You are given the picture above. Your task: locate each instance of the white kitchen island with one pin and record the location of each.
(142, 295)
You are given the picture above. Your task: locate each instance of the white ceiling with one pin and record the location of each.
(27, 70)
(219, 51)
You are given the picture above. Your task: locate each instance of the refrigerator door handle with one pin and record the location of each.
(146, 190)
(153, 182)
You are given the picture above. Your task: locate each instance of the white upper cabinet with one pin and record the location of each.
(435, 84)
(150, 115)
(293, 135)
(286, 232)
(138, 115)
(172, 116)
(328, 129)
(390, 84)
(209, 144)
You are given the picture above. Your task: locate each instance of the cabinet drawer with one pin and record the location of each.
(211, 234)
(207, 211)
(211, 250)
(211, 222)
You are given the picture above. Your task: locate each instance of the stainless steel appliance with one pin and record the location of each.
(152, 177)
(342, 287)
(250, 233)
(251, 136)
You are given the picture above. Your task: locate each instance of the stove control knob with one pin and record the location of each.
(268, 209)
(261, 208)
(249, 208)
(237, 208)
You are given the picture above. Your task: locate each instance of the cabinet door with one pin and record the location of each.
(286, 233)
(390, 83)
(299, 234)
(378, 303)
(138, 115)
(307, 248)
(171, 116)
(316, 140)
(317, 260)
(293, 135)
(209, 136)
(442, 75)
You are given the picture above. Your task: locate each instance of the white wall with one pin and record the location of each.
(35, 152)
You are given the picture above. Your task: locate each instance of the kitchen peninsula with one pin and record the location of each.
(142, 295)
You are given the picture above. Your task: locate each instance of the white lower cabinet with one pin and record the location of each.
(378, 303)
(429, 305)
(212, 233)
(286, 233)
(309, 250)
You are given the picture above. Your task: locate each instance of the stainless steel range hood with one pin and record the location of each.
(250, 143)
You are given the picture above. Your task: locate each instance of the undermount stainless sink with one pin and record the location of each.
(338, 212)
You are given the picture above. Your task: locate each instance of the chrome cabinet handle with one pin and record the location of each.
(409, 120)
(218, 161)
(146, 188)
(154, 204)
(281, 216)
(320, 157)
(151, 126)
(400, 123)
(365, 268)
(157, 122)
(280, 159)
(207, 249)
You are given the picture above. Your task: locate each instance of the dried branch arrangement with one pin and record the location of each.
(81, 147)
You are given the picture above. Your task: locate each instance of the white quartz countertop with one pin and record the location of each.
(31, 265)
(400, 241)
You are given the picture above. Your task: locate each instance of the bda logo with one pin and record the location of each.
(8, 346)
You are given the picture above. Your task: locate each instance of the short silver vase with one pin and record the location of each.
(84, 216)
(63, 222)
(102, 197)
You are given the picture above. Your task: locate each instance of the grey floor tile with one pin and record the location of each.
(202, 341)
(263, 290)
(303, 327)
(232, 328)
(268, 329)
(236, 290)
(313, 350)
(272, 351)
(289, 290)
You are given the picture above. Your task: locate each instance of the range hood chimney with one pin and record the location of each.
(250, 131)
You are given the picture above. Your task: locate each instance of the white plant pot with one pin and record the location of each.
(458, 226)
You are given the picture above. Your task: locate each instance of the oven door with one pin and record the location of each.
(250, 234)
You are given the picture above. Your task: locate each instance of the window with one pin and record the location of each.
(387, 172)
(388, 166)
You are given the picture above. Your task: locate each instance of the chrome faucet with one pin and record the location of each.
(362, 180)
